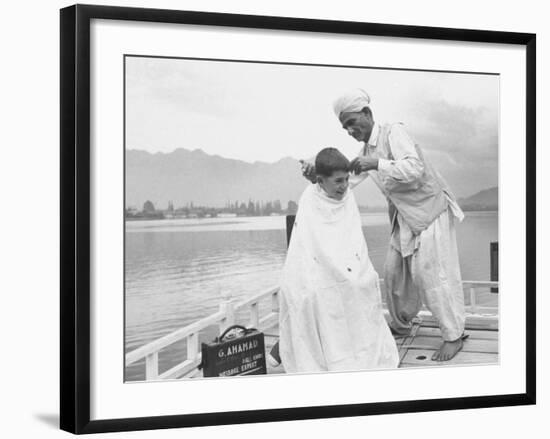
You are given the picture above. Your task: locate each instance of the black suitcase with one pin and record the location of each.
(233, 353)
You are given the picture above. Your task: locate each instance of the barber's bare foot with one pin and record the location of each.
(448, 350)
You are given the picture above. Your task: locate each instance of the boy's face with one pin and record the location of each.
(336, 185)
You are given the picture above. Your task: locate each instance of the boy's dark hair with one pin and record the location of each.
(329, 160)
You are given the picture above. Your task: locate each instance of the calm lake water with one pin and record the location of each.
(178, 270)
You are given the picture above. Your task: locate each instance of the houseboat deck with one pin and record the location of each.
(415, 350)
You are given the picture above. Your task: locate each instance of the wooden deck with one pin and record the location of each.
(481, 347)
(416, 350)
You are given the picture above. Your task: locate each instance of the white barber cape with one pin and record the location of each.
(331, 314)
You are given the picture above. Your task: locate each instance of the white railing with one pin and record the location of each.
(478, 316)
(224, 318)
(472, 286)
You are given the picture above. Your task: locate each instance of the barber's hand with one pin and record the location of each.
(362, 164)
(308, 171)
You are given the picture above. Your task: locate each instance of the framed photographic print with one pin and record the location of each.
(275, 218)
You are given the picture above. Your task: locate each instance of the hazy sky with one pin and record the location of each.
(263, 112)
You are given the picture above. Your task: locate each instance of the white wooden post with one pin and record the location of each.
(152, 366)
(275, 301)
(254, 315)
(228, 309)
(473, 303)
(192, 346)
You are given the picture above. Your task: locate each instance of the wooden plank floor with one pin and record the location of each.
(416, 350)
(481, 347)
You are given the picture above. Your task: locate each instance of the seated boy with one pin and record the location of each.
(331, 315)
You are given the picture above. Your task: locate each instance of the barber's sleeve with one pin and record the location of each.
(355, 179)
(311, 162)
(406, 166)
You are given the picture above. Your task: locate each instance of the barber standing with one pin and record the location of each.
(422, 264)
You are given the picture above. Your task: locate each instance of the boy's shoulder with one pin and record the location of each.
(307, 193)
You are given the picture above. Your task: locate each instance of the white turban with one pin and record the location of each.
(352, 101)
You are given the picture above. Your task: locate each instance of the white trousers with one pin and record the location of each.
(430, 276)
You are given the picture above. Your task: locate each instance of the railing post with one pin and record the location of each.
(192, 346)
(228, 309)
(473, 303)
(254, 315)
(152, 366)
(275, 301)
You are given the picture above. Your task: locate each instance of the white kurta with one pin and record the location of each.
(420, 268)
(331, 314)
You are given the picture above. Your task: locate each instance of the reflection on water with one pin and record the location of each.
(178, 270)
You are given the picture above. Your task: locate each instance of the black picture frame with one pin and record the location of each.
(75, 216)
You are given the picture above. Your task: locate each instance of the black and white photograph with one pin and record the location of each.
(275, 219)
(285, 218)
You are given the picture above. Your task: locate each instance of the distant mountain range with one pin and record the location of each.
(484, 200)
(183, 177)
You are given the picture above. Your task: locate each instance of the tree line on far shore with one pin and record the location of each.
(252, 208)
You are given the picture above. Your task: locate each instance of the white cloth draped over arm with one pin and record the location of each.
(355, 179)
(406, 166)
